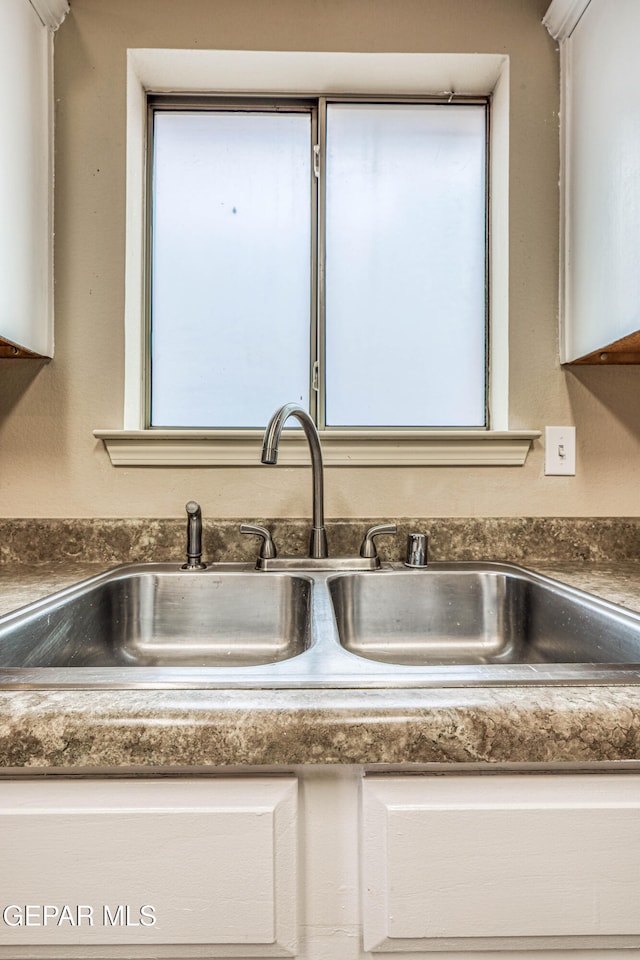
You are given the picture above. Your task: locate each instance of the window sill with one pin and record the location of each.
(344, 448)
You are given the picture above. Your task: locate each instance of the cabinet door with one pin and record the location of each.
(601, 185)
(26, 236)
(88, 866)
(501, 862)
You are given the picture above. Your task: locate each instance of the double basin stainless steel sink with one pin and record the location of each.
(458, 624)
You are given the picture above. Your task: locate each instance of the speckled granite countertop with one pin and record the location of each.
(118, 730)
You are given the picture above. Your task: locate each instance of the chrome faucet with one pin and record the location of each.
(318, 546)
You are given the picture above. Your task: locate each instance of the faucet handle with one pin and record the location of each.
(268, 548)
(368, 548)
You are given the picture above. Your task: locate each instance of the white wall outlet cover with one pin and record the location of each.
(559, 451)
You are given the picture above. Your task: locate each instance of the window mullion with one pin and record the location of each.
(318, 360)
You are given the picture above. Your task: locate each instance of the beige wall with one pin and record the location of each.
(50, 464)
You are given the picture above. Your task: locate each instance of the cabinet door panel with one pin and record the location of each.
(601, 185)
(144, 862)
(509, 861)
(26, 184)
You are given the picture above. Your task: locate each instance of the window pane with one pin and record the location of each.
(405, 265)
(231, 275)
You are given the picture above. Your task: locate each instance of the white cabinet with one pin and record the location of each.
(501, 862)
(322, 865)
(131, 867)
(26, 181)
(600, 177)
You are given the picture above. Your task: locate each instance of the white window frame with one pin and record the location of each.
(310, 73)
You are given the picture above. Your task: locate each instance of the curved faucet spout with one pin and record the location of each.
(318, 548)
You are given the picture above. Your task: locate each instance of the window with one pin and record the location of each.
(329, 251)
(231, 265)
(237, 74)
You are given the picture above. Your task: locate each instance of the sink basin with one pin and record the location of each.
(231, 626)
(478, 614)
(157, 615)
